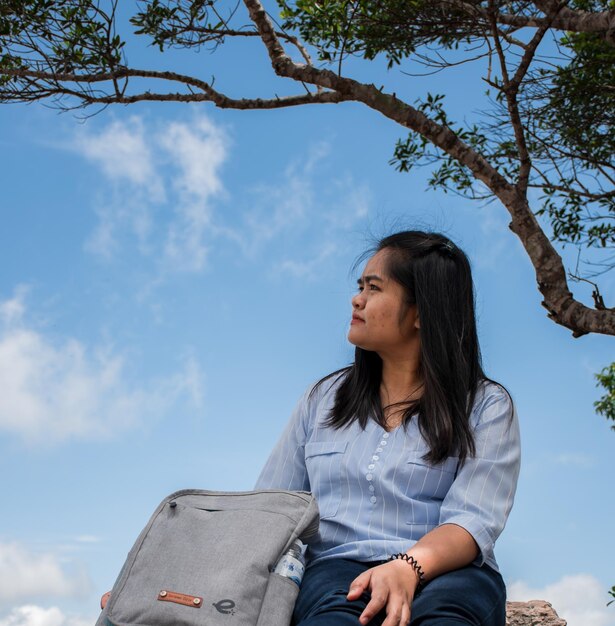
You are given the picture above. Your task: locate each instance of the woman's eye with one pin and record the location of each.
(370, 286)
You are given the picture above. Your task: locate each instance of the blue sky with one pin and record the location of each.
(173, 277)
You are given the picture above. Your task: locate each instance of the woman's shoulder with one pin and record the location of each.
(325, 388)
(491, 396)
(488, 388)
(316, 402)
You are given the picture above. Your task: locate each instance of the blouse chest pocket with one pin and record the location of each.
(427, 481)
(323, 460)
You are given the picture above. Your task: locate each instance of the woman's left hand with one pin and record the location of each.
(392, 587)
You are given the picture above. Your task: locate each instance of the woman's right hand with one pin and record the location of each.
(391, 586)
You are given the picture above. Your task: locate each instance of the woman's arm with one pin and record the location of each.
(482, 494)
(393, 584)
(285, 467)
(444, 549)
(472, 515)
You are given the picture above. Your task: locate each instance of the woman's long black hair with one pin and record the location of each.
(436, 276)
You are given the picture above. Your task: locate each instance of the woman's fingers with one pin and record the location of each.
(397, 610)
(395, 616)
(377, 602)
(388, 592)
(405, 615)
(359, 585)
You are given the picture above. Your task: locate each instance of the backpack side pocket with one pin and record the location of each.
(279, 601)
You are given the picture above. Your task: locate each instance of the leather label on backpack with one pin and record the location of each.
(180, 598)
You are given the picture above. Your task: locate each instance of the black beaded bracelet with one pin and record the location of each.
(413, 563)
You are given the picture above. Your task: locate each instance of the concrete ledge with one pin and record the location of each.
(532, 613)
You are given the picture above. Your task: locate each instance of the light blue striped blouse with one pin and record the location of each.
(376, 494)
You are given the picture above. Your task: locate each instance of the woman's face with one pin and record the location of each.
(377, 321)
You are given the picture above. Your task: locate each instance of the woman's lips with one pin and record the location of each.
(356, 320)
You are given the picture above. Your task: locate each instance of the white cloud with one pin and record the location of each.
(88, 539)
(53, 390)
(580, 599)
(166, 198)
(276, 207)
(25, 574)
(189, 380)
(131, 211)
(306, 197)
(198, 150)
(12, 310)
(575, 459)
(147, 166)
(308, 268)
(121, 151)
(102, 242)
(31, 615)
(495, 236)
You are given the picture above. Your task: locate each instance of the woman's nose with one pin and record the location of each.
(357, 301)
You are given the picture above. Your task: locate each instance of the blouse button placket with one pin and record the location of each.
(372, 467)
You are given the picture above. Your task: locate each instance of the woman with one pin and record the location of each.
(411, 452)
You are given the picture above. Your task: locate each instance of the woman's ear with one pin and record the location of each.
(417, 322)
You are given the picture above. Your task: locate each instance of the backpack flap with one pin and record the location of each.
(205, 558)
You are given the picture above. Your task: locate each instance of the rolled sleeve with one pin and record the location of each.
(285, 467)
(482, 493)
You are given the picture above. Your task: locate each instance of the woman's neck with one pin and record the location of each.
(400, 374)
(401, 383)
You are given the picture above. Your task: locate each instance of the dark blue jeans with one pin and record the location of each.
(472, 595)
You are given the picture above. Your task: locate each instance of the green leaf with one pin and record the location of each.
(606, 405)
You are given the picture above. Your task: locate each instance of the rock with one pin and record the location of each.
(532, 613)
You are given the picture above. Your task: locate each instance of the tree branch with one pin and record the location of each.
(577, 20)
(511, 89)
(550, 272)
(264, 26)
(567, 19)
(41, 81)
(229, 32)
(209, 94)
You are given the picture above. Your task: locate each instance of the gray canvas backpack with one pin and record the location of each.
(207, 558)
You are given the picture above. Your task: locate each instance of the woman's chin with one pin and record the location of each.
(352, 338)
(356, 341)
